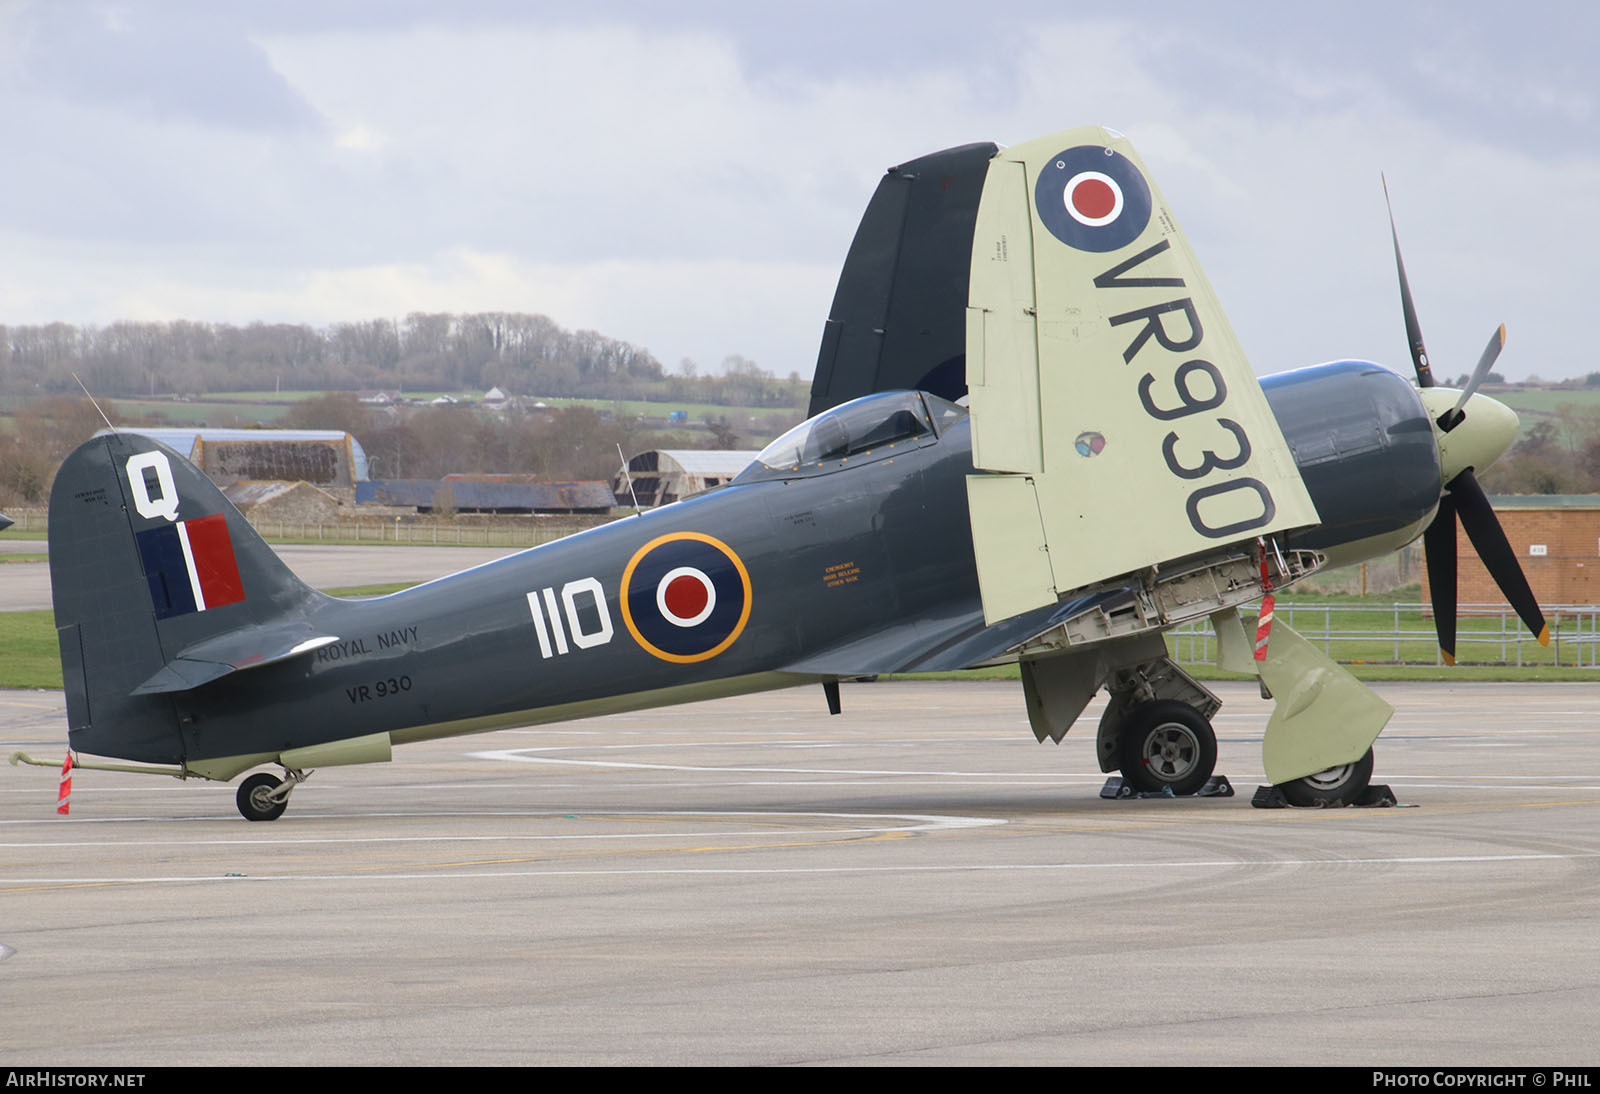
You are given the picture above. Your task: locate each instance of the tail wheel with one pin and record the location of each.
(1340, 785)
(1166, 744)
(255, 800)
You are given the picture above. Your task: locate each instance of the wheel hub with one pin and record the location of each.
(1171, 751)
(1331, 778)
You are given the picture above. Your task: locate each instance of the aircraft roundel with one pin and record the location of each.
(1093, 198)
(685, 597)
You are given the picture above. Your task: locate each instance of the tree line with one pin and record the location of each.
(1559, 454)
(520, 353)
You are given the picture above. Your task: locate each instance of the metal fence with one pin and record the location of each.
(469, 531)
(1403, 634)
(427, 531)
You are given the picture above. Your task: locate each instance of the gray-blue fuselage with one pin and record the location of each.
(848, 567)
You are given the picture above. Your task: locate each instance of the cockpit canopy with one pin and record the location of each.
(858, 431)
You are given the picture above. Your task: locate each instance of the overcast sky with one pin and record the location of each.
(688, 176)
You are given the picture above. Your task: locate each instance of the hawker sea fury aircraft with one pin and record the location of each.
(1119, 470)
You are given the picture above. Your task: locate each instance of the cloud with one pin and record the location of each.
(694, 187)
(193, 64)
(698, 309)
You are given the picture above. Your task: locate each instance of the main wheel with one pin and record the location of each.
(1166, 743)
(1340, 785)
(254, 803)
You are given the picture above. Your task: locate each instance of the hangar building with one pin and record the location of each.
(665, 475)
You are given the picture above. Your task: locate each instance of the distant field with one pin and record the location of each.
(697, 412)
(260, 403)
(1535, 405)
(289, 397)
(1548, 401)
(211, 412)
(33, 657)
(1361, 632)
(268, 408)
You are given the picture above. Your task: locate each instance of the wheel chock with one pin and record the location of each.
(1269, 797)
(1375, 796)
(1217, 786)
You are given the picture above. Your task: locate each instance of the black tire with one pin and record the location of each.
(1340, 785)
(1164, 744)
(254, 805)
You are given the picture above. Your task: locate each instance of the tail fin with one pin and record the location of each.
(159, 584)
(897, 315)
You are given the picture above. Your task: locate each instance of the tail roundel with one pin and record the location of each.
(150, 563)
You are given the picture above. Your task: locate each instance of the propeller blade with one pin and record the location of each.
(1491, 353)
(1439, 551)
(1489, 540)
(1419, 352)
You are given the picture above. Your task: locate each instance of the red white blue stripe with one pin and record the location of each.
(190, 566)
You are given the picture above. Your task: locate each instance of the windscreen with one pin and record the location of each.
(856, 428)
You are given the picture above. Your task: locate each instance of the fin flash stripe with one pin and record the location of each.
(190, 566)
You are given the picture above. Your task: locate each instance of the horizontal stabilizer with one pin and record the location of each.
(248, 648)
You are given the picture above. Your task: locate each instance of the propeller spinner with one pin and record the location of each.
(1472, 431)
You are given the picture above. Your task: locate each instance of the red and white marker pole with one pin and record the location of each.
(1264, 619)
(64, 798)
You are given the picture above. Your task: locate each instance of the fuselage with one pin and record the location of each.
(793, 567)
(841, 567)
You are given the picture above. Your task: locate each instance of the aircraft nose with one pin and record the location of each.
(1487, 429)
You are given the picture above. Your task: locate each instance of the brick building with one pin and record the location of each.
(1556, 538)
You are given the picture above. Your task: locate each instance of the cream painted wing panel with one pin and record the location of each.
(1157, 441)
(1006, 430)
(1007, 537)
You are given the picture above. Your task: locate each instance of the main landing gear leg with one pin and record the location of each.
(264, 797)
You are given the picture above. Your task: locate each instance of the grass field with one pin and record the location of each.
(1465, 674)
(1376, 633)
(212, 411)
(1346, 626)
(258, 403)
(1549, 400)
(268, 408)
(32, 659)
(1535, 405)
